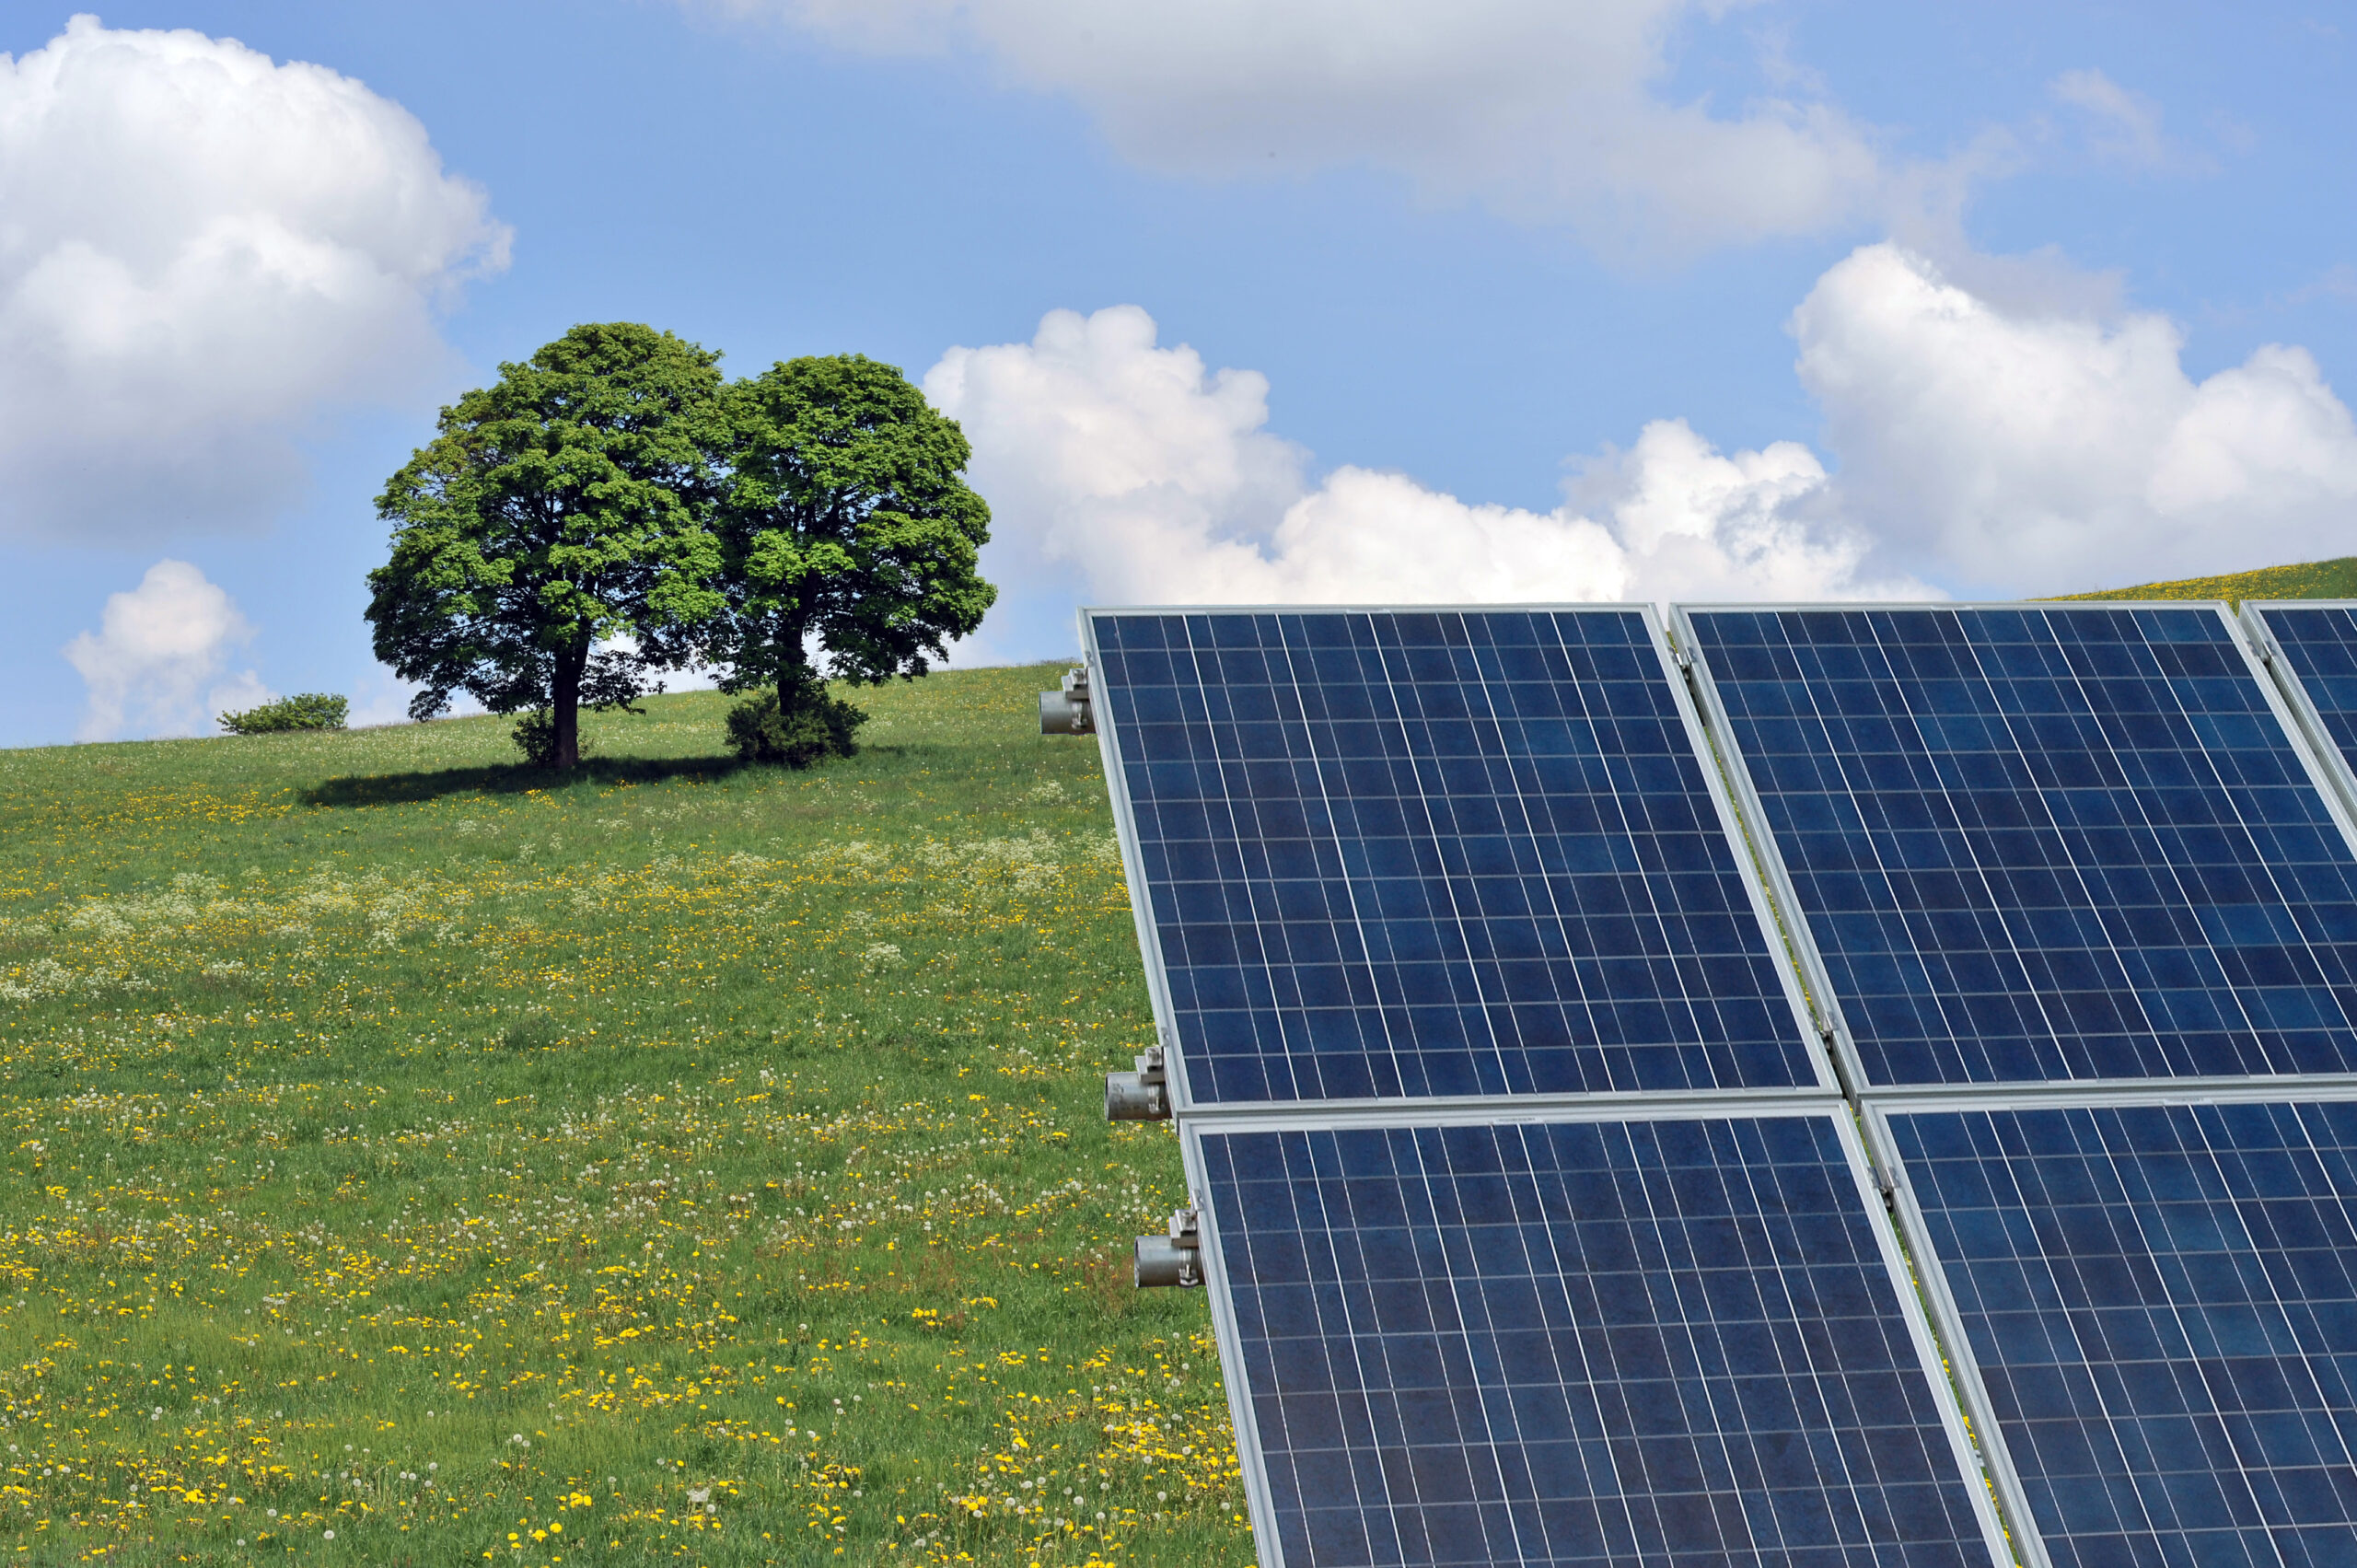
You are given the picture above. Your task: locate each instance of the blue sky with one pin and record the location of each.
(1492, 300)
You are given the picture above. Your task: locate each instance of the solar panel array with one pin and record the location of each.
(1528, 1247)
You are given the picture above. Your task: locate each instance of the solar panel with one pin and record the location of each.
(1686, 1340)
(2037, 843)
(1393, 853)
(2315, 644)
(2161, 1301)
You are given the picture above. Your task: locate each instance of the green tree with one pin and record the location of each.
(849, 533)
(550, 547)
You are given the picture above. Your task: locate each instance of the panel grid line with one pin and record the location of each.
(2173, 870)
(1489, 1447)
(1684, 1322)
(1210, 737)
(1620, 809)
(1980, 867)
(2102, 1401)
(1892, 882)
(1350, 889)
(2208, 1373)
(1424, 804)
(1587, 1375)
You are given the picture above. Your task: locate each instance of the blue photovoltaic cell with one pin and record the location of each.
(2320, 644)
(1670, 1343)
(2046, 844)
(2161, 1302)
(1436, 854)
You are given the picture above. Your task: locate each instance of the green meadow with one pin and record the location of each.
(2308, 579)
(415, 1158)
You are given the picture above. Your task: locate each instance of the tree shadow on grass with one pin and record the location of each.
(514, 778)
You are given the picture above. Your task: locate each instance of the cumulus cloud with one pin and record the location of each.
(201, 249)
(2027, 451)
(1123, 471)
(1672, 517)
(158, 663)
(1111, 462)
(1557, 109)
(2032, 445)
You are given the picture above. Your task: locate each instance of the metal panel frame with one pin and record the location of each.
(1731, 827)
(1800, 938)
(2268, 649)
(1931, 1270)
(2068, 1092)
(1970, 1461)
(2292, 1088)
(1125, 836)
(2319, 757)
(1971, 1389)
(1251, 1462)
(1811, 958)
(1488, 1107)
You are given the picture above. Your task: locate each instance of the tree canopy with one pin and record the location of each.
(552, 545)
(847, 527)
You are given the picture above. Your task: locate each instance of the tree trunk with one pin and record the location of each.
(564, 706)
(793, 670)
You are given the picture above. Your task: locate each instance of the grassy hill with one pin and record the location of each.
(2312, 579)
(414, 1159)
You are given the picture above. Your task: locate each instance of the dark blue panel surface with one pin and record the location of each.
(1660, 1342)
(2161, 1301)
(1436, 854)
(2046, 844)
(2320, 644)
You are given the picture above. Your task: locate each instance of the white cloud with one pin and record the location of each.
(158, 664)
(2034, 446)
(1112, 463)
(2125, 127)
(2039, 452)
(200, 249)
(1124, 472)
(1554, 110)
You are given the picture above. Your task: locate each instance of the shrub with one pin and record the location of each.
(308, 710)
(535, 736)
(761, 730)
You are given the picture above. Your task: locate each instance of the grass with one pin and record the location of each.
(417, 1160)
(2311, 579)
(411, 1158)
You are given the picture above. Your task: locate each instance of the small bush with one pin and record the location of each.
(308, 710)
(761, 730)
(536, 737)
